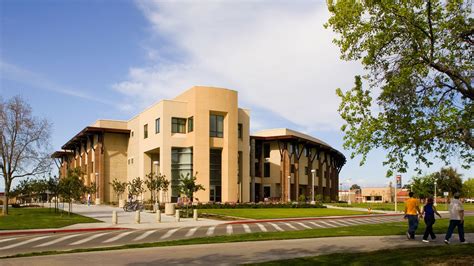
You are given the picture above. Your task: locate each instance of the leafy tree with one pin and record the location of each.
(118, 187)
(418, 59)
(423, 186)
(71, 186)
(53, 187)
(468, 188)
(154, 183)
(449, 180)
(135, 187)
(24, 143)
(355, 187)
(188, 186)
(39, 187)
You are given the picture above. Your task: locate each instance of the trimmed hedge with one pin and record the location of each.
(260, 205)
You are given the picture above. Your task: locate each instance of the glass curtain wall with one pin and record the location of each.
(215, 181)
(181, 165)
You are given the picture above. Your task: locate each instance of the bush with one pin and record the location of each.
(250, 205)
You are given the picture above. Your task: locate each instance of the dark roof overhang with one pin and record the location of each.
(88, 131)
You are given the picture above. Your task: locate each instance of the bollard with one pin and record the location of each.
(195, 214)
(177, 216)
(137, 217)
(114, 217)
(158, 216)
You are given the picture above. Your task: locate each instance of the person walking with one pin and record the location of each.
(429, 211)
(412, 210)
(456, 212)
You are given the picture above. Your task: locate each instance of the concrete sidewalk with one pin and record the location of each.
(230, 253)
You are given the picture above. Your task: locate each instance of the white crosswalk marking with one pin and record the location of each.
(85, 240)
(7, 239)
(327, 224)
(303, 225)
(229, 229)
(210, 230)
(57, 240)
(144, 235)
(276, 227)
(117, 237)
(336, 223)
(169, 233)
(247, 228)
(191, 231)
(262, 228)
(24, 242)
(358, 221)
(345, 222)
(290, 226)
(317, 225)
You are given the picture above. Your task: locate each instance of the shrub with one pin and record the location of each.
(250, 205)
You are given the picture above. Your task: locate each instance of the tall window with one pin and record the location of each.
(178, 125)
(216, 126)
(157, 126)
(145, 131)
(191, 124)
(266, 150)
(266, 169)
(240, 133)
(215, 180)
(181, 165)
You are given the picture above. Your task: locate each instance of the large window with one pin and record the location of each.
(181, 166)
(191, 124)
(157, 126)
(240, 132)
(216, 126)
(215, 180)
(145, 131)
(178, 125)
(266, 150)
(266, 169)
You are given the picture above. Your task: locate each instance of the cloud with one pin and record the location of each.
(277, 55)
(18, 74)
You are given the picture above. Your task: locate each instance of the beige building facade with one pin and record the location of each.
(202, 132)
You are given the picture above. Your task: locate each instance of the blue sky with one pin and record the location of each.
(79, 61)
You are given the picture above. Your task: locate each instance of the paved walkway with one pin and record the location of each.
(228, 253)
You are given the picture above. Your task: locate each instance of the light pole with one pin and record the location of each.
(97, 199)
(289, 188)
(313, 172)
(340, 191)
(156, 163)
(435, 204)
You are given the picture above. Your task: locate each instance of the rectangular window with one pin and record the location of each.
(266, 170)
(216, 126)
(191, 124)
(157, 126)
(215, 180)
(240, 131)
(178, 125)
(145, 131)
(266, 150)
(181, 166)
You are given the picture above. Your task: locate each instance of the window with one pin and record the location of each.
(266, 150)
(181, 166)
(145, 131)
(191, 124)
(131, 133)
(216, 126)
(157, 126)
(178, 125)
(240, 131)
(266, 170)
(215, 177)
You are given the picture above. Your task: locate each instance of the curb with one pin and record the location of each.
(311, 218)
(54, 231)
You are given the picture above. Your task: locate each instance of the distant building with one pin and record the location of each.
(377, 194)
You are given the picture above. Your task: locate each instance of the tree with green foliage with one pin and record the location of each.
(468, 188)
(118, 188)
(154, 183)
(135, 187)
(355, 187)
(188, 186)
(449, 180)
(418, 57)
(53, 188)
(422, 186)
(71, 186)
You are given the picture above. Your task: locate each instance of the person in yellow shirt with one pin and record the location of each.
(412, 210)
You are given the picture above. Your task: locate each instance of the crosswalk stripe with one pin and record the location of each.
(117, 237)
(85, 240)
(247, 228)
(169, 233)
(303, 225)
(358, 221)
(327, 224)
(210, 230)
(229, 229)
(24, 242)
(7, 239)
(57, 240)
(317, 225)
(345, 222)
(191, 231)
(144, 235)
(262, 228)
(336, 223)
(290, 226)
(276, 227)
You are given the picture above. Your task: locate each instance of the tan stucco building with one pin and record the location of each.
(201, 131)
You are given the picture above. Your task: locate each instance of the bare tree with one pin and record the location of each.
(24, 143)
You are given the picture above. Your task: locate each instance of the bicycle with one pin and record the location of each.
(133, 206)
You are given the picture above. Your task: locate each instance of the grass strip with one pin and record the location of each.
(397, 228)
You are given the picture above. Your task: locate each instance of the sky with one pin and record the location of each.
(82, 60)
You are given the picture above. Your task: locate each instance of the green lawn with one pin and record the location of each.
(391, 206)
(273, 213)
(35, 218)
(437, 255)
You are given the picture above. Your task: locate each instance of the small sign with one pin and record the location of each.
(446, 194)
(399, 181)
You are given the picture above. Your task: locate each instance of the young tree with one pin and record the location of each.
(118, 187)
(53, 187)
(135, 187)
(188, 186)
(468, 188)
(355, 187)
(23, 143)
(449, 180)
(71, 186)
(423, 186)
(418, 55)
(154, 183)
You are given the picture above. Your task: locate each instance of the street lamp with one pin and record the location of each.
(289, 188)
(435, 204)
(340, 191)
(156, 163)
(97, 199)
(313, 172)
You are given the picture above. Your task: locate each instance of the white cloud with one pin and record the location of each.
(278, 56)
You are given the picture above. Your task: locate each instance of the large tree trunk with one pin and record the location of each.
(7, 196)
